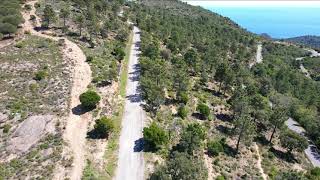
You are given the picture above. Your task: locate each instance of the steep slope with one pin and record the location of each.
(202, 97)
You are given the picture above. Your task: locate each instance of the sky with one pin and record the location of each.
(254, 3)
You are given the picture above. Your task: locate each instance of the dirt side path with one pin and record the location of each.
(264, 176)
(76, 124)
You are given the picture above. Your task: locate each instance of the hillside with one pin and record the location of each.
(310, 41)
(163, 89)
(213, 111)
(60, 72)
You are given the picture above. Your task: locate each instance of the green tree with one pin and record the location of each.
(64, 14)
(277, 119)
(293, 141)
(192, 59)
(245, 128)
(314, 173)
(155, 136)
(104, 126)
(290, 175)
(49, 14)
(80, 19)
(89, 99)
(181, 166)
(221, 73)
(192, 138)
(6, 28)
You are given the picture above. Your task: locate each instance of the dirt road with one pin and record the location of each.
(258, 56)
(130, 160)
(77, 122)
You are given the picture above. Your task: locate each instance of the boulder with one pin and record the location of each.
(3, 118)
(29, 132)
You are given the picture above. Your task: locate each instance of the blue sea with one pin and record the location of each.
(278, 22)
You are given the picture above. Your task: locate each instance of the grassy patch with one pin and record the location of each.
(124, 69)
(113, 144)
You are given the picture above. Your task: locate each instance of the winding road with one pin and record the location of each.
(311, 152)
(130, 157)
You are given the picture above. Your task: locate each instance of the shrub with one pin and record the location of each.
(44, 24)
(119, 53)
(154, 136)
(183, 97)
(28, 7)
(37, 5)
(32, 17)
(89, 99)
(19, 45)
(220, 177)
(1, 36)
(215, 147)
(203, 109)
(182, 112)
(41, 74)
(6, 128)
(61, 42)
(89, 58)
(104, 126)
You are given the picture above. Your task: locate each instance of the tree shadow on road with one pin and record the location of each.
(138, 145)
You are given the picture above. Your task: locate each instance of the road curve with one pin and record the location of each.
(312, 151)
(130, 157)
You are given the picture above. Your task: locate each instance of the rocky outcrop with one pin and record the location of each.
(29, 132)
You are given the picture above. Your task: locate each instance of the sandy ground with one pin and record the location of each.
(263, 175)
(77, 123)
(130, 157)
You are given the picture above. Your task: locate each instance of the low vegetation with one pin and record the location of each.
(25, 94)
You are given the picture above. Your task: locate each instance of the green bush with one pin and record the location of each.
(104, 126)
(154, 136)
(28, 7)
(204, 110)
(182, 112)
(220, 177)
(215, 147)
(32, 17)
(41, 74)
(89, 99)
(119, 53)
(1, 36)
(19, 45)
(37, 5)
(182, 97)
(89, 58)
(6, 128)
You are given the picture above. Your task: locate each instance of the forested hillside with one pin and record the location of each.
(211, 113)
(312, 41)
